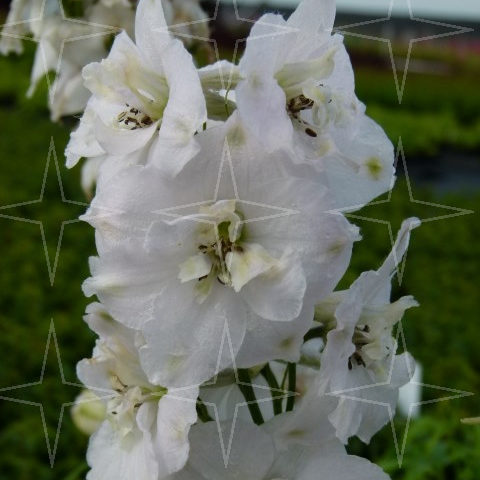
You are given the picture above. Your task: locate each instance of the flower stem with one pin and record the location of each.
(275, 390)
(246, 388)
(202, 411)
(292, 384)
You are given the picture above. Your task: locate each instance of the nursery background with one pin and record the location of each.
(419, 80)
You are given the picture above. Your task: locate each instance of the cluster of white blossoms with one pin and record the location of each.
(73, 33)
(223, 345)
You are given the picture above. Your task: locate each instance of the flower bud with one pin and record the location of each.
(88, 412)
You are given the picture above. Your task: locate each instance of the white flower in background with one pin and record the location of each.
(259, 264)
(297, 93)
(188, 20)
(145, 433)
(52, 29)
(44, 20)
(410, 395)
(67, 95)
(147, 97)
(360, 349)
(20, 22)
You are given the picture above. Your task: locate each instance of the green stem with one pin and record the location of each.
(246, 388)
(317, 332)
(292, 384)
(77, 473)
(275, 390)
(202, 411)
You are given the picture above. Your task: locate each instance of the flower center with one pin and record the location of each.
(360, 339)
(133, 118)
(122, 409)
(223, 253)
(294, 108)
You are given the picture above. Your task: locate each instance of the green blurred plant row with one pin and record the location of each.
(439, 108)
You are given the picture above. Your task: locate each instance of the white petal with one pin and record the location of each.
(265, 42)
(151, 31)
(250, 455)
(363, 166)
(184, 114)
(340, 467)
(128, 283)
(267, 340)
(110, 458)
(313, 16)
(176, 413)
(261, 103)
(278, 294)
(248, 264)
(400, 247)
(219, 75)
(194, 268)
(186, 342)
(122, 141)
(82, 141)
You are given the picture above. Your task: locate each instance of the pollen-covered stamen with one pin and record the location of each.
(217, 252)
(297, 104)
(133, 118)
(360, 339)
(294, 108)
(223, 253)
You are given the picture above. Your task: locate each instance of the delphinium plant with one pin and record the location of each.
(225, 349)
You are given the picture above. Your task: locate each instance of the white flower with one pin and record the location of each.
(68, 95)
(259, 264)
(145, 434)
(146, 95)
(360, 349)
(298, 445)
(297, 94)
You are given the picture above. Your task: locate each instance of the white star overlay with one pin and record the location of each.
(453, 211)
(6, 391)
(226, 174)
(91, 30)
(226, 77)
(222, 179)
(400, 82)
(225, 444)
(51, 265)
(445, 392)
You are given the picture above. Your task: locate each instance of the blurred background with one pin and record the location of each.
(44, 250)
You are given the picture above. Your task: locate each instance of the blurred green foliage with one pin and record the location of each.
(441, 272)
(440, 106)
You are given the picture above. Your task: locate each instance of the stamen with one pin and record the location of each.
(134, 118)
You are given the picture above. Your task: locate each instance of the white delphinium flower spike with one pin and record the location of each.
(147, 98)
(297, 93)
(67, 95)
(145, 434)
(360, 349)
(256, 255)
